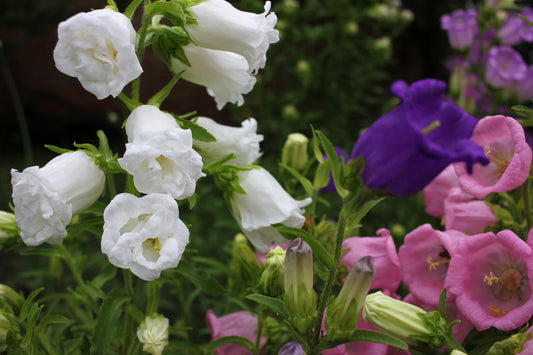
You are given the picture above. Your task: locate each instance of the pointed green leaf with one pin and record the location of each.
(274, 304)
(199, 133)
(365, 336)
(158, 98)
(130, 103)
(292, 233)
(130, 10)
(306, 184)
(56, 149)
(336, 168)
(200, 278)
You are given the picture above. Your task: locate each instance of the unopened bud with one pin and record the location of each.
(153, 333)
(10, 297)
(292, 348)
(294, 152)
(5, 325)
(304, 71)
(512, 345)
(244, 266)
(8, 225)
(272, 273)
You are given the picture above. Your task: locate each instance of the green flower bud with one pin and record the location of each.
(10, 297)
(404, 321)
(351, 28)
(304, 71)
(8, 225)
(300, 297)
(271, 277)
(458, 352)
(512, 345)
(294, 153)
(244, 266)
(290, 113)
(153, 333)
(343, 312)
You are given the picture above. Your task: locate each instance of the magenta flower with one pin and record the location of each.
(505, 145)
(470, 217)
(516, 30)
(438, 190)
(491, 276)
(504, 66)
(461, 27)
(422, 134)
(424, 258)
(383, 251)
(243, 324)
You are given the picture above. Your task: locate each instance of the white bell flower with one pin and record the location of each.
(144, 234)
(47, 198)
(153, 333)
(223, 27)
(265, 203)
(225, 74)
(98, 48)
(242, 141)
(160, 155)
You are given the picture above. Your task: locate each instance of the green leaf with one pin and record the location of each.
(111, 5)
(172, 10)
(200, 278)
(56, 149)
(292, 233)
(336, 168)
(158, 98)
(316, 148)
(130, 10)
(130, 103)
(442, 305)
(199, 133)
(322, 174)
(231, 339)
(107, 321)
(365, 336)
(308, 187)
(274, 304)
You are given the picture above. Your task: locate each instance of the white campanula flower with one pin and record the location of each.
(144, 234)
(242, 141)
(98, 48)
(153, 333)
(225, 74)
(46, 198)
(223, 27)
(159, 154)
(265, 203)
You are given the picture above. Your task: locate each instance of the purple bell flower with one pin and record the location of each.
(409, 146)
(504, 67)
(461, 27)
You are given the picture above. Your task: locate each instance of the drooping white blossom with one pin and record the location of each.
(226, 75)
(265, 203)
(47, 198)
(242, 141)
(153, 334)
(160, 155)
(144, 234)
(221, 26)
(98, 48)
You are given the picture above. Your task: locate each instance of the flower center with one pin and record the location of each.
(501, 163)
(505, 287)
(151, 248)
(166, 165)
(432, 126)
(433, 264)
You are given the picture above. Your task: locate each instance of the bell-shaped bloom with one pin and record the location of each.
(223, 27)
(422, 134)
(505, 145)
(98, 48)
(153, 334)
(265, 203)
(243, 324)
(461, 27)
(516, 30)
(226, 75)
(438, 190)
(491, 276)
(470, 217)
(383, 252)
(504, 67)
(241, 141)
(144, 234)
(160, 155)
(424, 258)
(47, 198)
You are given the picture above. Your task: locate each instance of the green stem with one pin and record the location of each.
(129, 327)
(139, 50)
(527, 210)
(71, 265)
(260, 322)
(329, 282)
(153, 289)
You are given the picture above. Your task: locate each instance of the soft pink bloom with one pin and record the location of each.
(243, 324)
(470, 217)
(505, 145)
(491, 276)
(438, 190)
(424, 258)
(383, 251)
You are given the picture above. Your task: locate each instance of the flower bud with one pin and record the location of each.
(153, 333)
(343, 313)
(294, 152)
(8, 225)
(244, 265)
(404, 321)
(10, 297)
(300, 297)
(304, 71)
(512, 345)
(292, 348)
(271, 277)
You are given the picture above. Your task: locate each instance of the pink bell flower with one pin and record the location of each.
(438, 190)
(491, 276)
(505, 145)
(243, 324)
(424, 259)
(470, 217)
(383, 251)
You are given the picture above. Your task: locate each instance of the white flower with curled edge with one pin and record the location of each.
(153, 333)
(223, 27)
(98, 48)
(160, 155)
(144, 234)
(242, 141)
(225, 74)
(47, 198)
(263, 204)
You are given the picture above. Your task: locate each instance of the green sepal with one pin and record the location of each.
(336, 168)
(170, 41)
(172, 10)
(130, 103)
(274, 304)
(111, 5)
(130, 10)
(525, 112)
(365, 336)
(199, 133)
(322, 174)
(158, 98)
(57, 149)
(227, 180)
